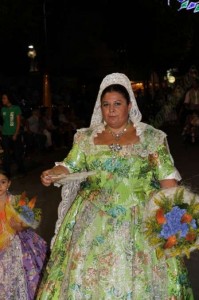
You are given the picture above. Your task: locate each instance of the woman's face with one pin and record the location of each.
(115, 109)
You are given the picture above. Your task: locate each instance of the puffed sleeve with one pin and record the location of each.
(76, 158)
(163, 163)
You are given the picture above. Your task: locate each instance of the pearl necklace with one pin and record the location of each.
(117, 135)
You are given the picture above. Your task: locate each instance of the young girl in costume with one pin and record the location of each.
(22, 250)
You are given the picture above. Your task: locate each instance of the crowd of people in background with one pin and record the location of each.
(49, 128)
(38, 129)
(174, 104)
(191, 109)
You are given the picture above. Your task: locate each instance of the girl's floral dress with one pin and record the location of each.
(22, 258)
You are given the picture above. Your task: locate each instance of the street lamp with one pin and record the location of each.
(32, 54)
(170, 77)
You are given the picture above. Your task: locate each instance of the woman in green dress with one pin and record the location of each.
(100, 251)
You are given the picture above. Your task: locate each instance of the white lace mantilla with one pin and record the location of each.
(116, 78)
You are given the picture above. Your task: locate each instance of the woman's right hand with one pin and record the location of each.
(47, 176)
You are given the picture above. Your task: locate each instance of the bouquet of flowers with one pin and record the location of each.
(19, 211)
(23, 210)
(171, 222)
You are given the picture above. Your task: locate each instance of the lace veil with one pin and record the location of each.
(116, 78)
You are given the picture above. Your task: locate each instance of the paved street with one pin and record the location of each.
(186, 160)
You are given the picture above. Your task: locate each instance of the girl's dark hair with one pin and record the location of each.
(117, 88)
(2, 172)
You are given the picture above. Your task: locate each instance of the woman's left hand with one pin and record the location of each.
(168, 183)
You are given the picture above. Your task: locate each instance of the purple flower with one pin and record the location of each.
(193, 224)
(26, 213)
(173, 223)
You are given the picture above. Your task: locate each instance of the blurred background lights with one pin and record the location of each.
(32, 54)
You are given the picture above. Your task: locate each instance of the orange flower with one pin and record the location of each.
(171, 241)
(22, 200)
(32, 202)
(186, 218)
(160, 216)
(190, 237)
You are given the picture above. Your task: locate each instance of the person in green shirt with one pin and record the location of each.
(11, 138)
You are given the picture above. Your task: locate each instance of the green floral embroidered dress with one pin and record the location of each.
(100, 252)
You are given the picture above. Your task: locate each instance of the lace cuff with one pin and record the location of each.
(60, 163)
(174, 175)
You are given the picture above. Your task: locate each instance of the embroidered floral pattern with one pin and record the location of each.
(100, 245)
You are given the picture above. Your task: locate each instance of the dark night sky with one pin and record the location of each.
(97, 37)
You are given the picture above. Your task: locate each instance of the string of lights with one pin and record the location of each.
(188, 5)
